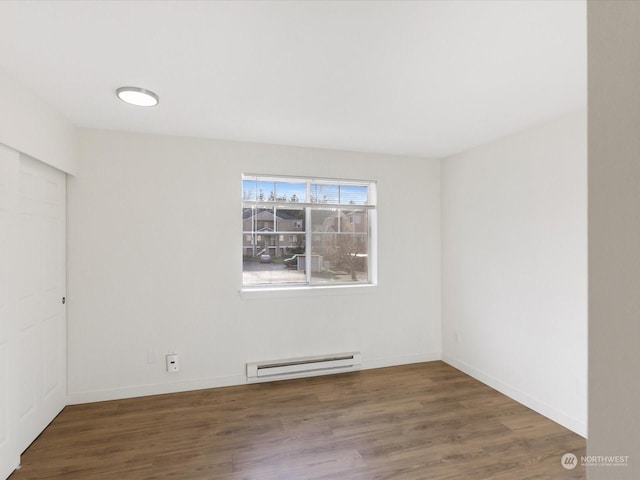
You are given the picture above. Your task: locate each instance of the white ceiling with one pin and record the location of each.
(428, 78)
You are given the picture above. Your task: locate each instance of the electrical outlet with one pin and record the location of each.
(172, 363)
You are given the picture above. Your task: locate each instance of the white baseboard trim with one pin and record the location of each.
(76, 398)
(371, 363)
(519, 396)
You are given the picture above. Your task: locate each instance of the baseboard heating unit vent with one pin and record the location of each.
(305, 366)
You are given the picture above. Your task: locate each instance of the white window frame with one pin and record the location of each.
(370, 209)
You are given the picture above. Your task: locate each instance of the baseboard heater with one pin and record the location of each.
(316, 365)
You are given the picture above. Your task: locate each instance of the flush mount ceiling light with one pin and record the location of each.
(137, 96)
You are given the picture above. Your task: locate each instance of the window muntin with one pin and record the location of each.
(284, 218)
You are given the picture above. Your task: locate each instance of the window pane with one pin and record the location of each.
(289, 220)
(325, 220)
(268, 191)
(328, 194)
(355, 221)
(280, 267)
(339, 194)
(291, 192)
(339, 258)
(354, 195)
(265, 191)
(247, 219)
(338, 220)
(249, 190)
(261, 220)
(255, 273)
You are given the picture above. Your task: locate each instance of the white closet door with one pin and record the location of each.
(33, 338)
(9, 167)
(41, 284)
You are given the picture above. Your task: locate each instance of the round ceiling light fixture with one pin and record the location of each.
(138, 96)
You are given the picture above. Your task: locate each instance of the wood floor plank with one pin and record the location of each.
(412, 422)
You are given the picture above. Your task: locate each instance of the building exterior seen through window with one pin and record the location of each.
(307, 232)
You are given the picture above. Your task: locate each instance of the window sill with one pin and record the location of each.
(306, 291)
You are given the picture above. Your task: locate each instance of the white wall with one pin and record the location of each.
(29, 125)
(614, 236)
(154, 264)
(515, 267)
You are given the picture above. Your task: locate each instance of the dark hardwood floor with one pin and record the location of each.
(421, 421)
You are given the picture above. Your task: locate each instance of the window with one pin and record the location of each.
(307, 232)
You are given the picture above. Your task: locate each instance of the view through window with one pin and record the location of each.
(298, 231)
